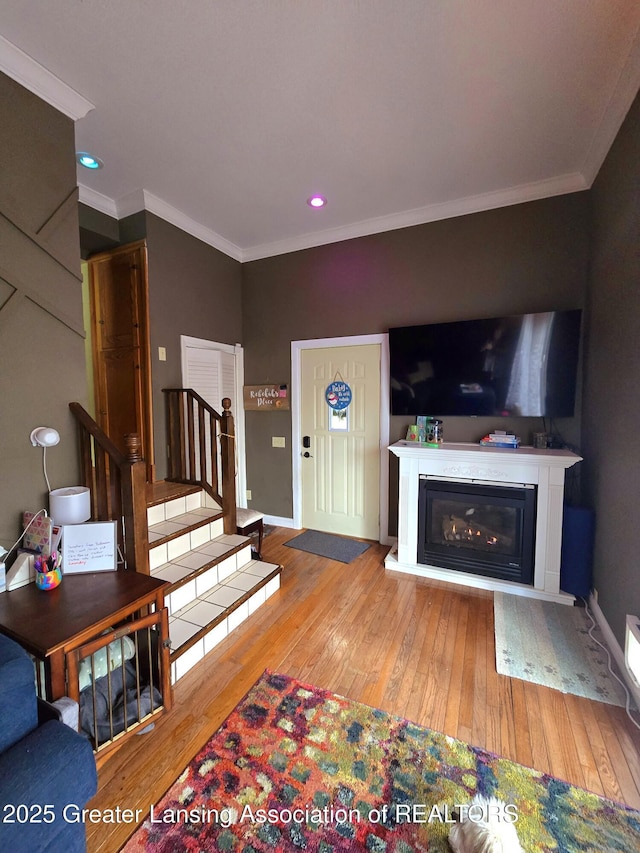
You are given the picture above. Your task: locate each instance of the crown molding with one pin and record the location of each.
(97, 201)
(131, 203)
(37, 79)
(176, 217)
(143, 200)
(618, 105)
(561, 185)
(140, 199)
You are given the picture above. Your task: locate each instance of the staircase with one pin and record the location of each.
(215, 584)
(181, 530)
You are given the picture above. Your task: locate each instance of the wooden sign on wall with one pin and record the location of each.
(265, 398)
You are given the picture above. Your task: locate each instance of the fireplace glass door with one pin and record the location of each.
(478, 528)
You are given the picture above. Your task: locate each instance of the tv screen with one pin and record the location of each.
(524, 365)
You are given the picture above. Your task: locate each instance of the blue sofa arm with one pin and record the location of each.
(45, 780)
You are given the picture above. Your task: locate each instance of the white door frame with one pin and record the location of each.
(296, 420)
(237, 405)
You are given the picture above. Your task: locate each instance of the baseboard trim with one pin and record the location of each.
(614, 647)
(280, 521)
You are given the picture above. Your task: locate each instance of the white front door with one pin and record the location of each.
(340, 449)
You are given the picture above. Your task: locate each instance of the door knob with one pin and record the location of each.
(307, 455)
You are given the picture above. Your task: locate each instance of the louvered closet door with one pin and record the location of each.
(212, 374)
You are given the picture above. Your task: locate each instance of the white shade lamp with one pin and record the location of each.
(71, 505)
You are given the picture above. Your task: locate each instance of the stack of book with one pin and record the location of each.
(500, 439)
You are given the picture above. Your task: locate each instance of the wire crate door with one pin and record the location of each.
(121, 680)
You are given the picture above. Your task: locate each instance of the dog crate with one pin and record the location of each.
(103, 639)
(121, 680)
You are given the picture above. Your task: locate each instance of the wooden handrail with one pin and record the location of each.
(117, 483)
(201, 448)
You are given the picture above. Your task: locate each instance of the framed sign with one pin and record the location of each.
(338, 395)
(89, 547)
(265, 397)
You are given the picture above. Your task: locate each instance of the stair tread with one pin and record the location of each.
(164, 490)
(204, 556)
(212, 606)
(208, 593)
(182, 523)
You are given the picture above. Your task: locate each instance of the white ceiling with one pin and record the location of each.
(223, 116)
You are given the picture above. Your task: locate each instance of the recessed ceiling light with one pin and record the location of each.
(88, 160)
(316, 201)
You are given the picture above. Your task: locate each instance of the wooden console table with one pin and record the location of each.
(51, 623)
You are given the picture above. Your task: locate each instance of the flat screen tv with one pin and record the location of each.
(524, 365)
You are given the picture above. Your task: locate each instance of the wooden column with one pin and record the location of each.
(134, 507)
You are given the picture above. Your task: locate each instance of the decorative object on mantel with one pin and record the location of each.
(265, 398)
(434, 432)
(342, 776)
(549, 644)
(426, 432)
(500, 438)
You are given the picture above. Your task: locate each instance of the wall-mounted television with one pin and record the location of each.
(524, 365)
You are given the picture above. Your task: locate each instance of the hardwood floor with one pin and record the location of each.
(420, 649)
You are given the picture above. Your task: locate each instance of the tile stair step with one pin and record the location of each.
(178, 525)
(163, 510)
(203, 567)
(200, 625)
(214, 584)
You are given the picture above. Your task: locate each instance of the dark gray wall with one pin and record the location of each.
(612, 396)
(530, 257)
(41, 328)
(99, 232)
(194, 290)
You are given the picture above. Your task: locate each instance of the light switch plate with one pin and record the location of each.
(162, 353)
(278, 441)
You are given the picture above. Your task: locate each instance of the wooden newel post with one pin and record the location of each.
(133, 444)
(228, 456)
(134, 500)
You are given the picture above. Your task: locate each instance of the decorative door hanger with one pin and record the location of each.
(338, 394)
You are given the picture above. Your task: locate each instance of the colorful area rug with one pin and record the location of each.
(549, 644)
(295, 768)
(339, 548)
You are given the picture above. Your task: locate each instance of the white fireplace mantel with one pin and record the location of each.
(471, 462)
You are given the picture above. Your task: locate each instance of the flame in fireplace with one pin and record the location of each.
(456, 529)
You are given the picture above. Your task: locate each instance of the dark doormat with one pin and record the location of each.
(327, 545)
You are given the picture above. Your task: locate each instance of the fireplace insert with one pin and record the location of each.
(479, 528)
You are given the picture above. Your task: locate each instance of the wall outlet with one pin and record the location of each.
(278, 441)
(248, 494)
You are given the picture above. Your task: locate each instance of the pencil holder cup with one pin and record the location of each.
(48, 580)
